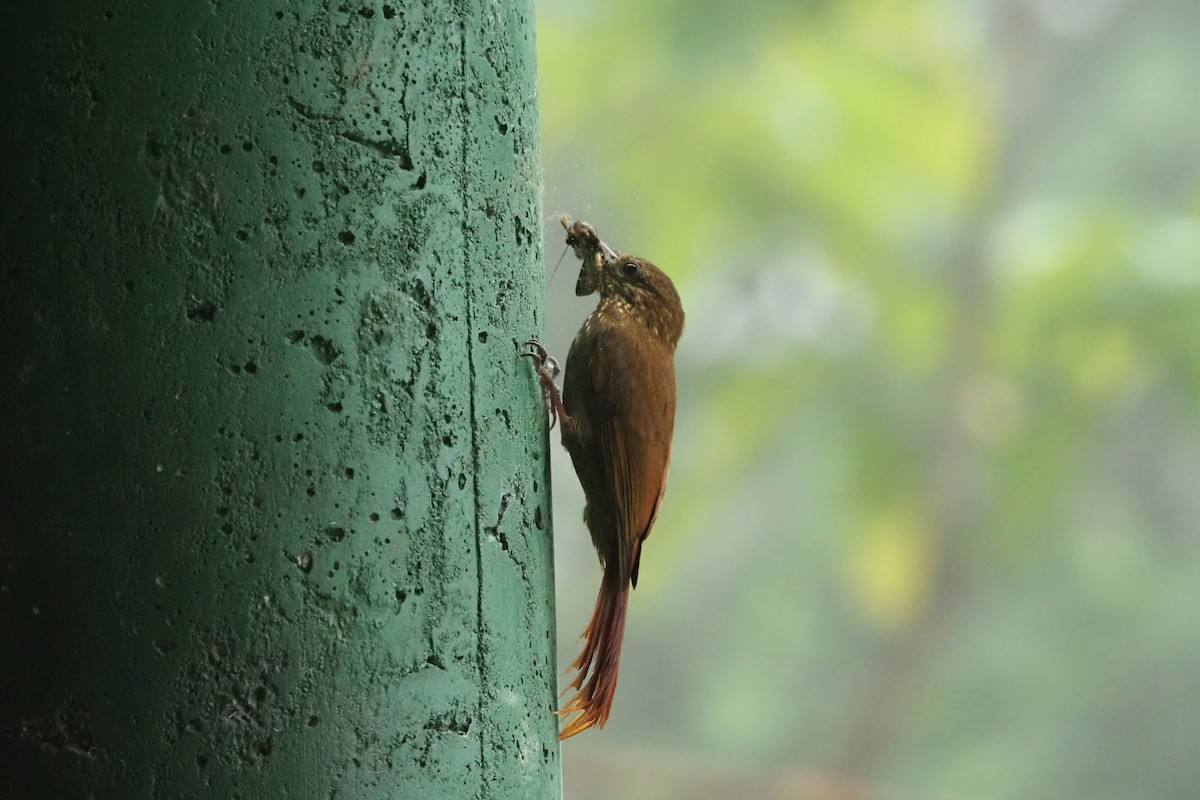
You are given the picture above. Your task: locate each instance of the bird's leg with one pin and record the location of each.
(547, 369)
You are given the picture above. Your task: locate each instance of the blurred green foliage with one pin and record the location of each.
(933, 526)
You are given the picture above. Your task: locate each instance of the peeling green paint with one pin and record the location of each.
(274, 485)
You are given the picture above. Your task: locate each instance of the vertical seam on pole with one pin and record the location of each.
(464, 181)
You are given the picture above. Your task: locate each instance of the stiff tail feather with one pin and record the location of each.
(595, 683)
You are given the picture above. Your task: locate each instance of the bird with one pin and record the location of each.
(616, 416)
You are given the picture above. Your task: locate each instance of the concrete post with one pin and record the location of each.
(274, 512)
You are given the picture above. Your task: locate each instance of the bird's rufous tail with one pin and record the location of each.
(595, 682)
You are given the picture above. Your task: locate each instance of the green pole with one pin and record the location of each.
(274, 513)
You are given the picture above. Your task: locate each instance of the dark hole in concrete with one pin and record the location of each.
(201, 310)
(323, 349)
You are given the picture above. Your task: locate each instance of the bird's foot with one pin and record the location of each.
(547, 370)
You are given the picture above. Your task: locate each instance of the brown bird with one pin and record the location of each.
(616, 413)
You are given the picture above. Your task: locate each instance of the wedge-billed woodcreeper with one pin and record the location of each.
(616, 413)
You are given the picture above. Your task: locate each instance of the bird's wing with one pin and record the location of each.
(632, 421)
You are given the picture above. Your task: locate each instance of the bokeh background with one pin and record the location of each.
(933, 525)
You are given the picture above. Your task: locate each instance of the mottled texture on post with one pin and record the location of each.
(273, 487)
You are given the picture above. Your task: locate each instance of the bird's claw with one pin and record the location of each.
(545, 362)
(547, 370)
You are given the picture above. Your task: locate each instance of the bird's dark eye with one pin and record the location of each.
(630, 269)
